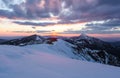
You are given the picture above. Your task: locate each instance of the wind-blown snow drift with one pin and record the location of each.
(40, 61)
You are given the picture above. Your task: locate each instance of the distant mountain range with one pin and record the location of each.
(83, 47)
(34, 39)
(2, 40)
(115, 44)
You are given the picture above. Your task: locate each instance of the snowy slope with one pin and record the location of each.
(75, 51)
(34, 62)
(60, 48)
(93, 49)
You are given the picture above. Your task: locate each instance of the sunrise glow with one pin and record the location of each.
(64, 17)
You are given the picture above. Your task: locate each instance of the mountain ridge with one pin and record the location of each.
(32, 39)
(82, 47)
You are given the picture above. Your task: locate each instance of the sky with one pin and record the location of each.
(100, 18)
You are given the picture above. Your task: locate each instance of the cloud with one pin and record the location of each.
(37, 31)
(90, 10)
(83, 10)
(34, 23)
(44, 22)
(92, 31)
(29, 9)
(6, 13)
(107, 26)
(98, 27)
(106, 23)
(110, 2)
(33, 27)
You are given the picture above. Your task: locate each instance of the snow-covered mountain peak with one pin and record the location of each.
(36, 37)
(84, 36)
(33, 39)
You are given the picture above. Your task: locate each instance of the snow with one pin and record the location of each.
(45, 61)
(92, 51)
(38, 38)
(60, 48)
(84, 36)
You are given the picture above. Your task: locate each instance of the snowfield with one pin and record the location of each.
(45, 61)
